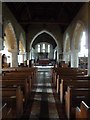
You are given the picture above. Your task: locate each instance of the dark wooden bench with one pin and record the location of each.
(17, 80)
(78, 82)
(73, 98)
(28, 75)
(32, 70)
(69, 77)
(83, 112)
(59, 73)
(13, 97)
(5, 111)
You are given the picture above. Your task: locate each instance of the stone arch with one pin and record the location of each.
(21, 44)
(79, 28)
(43, 31)
(67, 43)
(10, 43)
(10, 37)
(76, 42)
(51, 35)
(67, 53)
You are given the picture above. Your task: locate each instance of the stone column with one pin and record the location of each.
(66, 56)
(58, 53)
(30, 54)
(74, 58)
(25, 56)
(14, 59)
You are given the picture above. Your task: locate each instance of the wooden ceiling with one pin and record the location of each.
(61, 13)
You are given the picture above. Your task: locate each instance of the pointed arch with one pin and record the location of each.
(67, 43)
(39, 33)
(21, 44)
(78, 31)
(10, 37)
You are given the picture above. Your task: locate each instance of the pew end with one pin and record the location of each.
(83, 112)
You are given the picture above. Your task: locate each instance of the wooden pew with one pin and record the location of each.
(73, 98)
(28, 75)
(13, 97)
(5, 111)
(59, 73)
(32, 70)
(69, 71)
(13, 78)
(69, 77)
(83, 112)
(21, 75)
(78, 82)
(14, 81)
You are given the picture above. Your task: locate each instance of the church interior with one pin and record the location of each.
(44, 60)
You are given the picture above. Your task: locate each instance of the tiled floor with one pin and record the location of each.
(44, 103)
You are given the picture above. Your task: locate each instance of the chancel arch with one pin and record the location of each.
(43, 37)
(39, 33)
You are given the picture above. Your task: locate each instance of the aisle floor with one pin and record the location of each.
(44, 103)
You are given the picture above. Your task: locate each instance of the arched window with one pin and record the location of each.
(83, 49)
(43, 47)
(48, 48)
(39, 47)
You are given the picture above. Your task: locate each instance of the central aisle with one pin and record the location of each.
(44, 102)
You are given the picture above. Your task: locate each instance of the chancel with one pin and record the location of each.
(45, 60)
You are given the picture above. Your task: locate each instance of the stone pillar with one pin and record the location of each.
(30, 54)
(25, 56)
(65, 57)
(22, 58)
(58, 53)
(74, 58)
(14, 59)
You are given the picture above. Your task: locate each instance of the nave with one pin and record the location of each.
(34, 36)
(45, 93)
(44, 102)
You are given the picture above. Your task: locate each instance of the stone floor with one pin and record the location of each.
(43, 103)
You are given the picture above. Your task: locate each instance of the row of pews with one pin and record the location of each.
(73, 88)
(15, 88)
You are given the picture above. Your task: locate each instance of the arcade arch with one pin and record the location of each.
(66, 52)
(10, 45)
(22, 52)
(79, 44)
